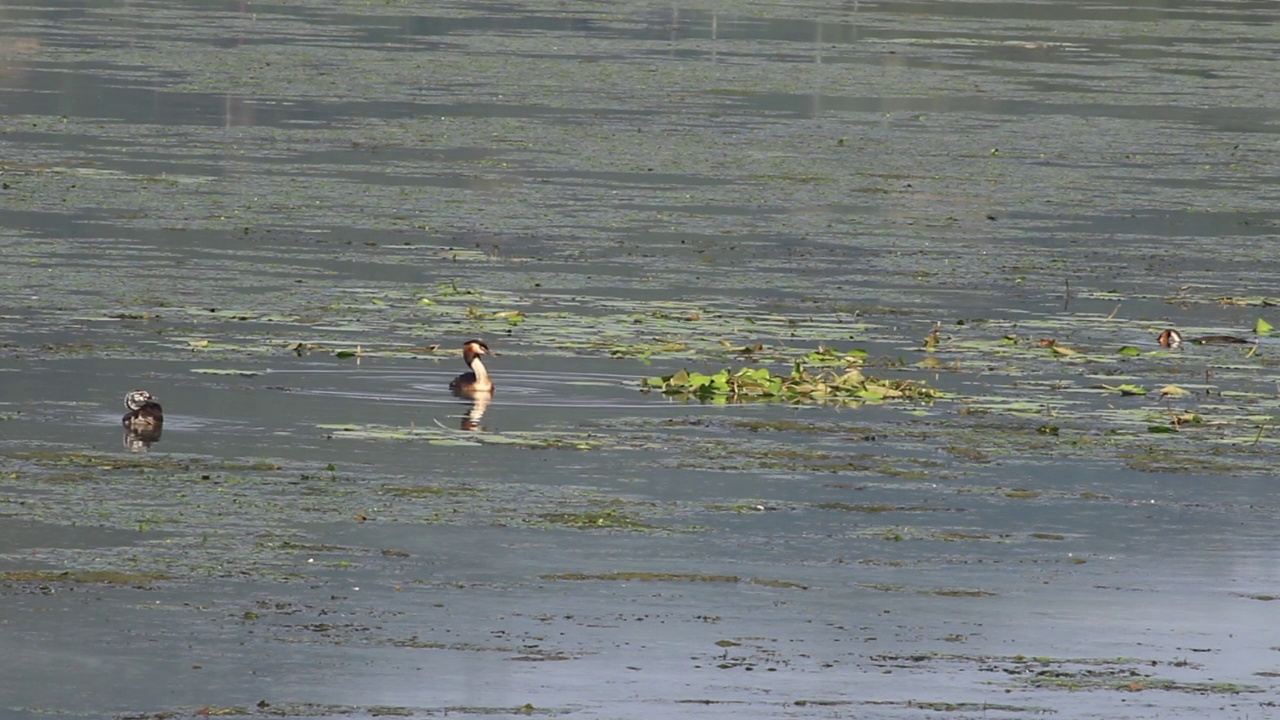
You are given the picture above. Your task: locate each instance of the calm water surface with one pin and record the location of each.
(282, 218)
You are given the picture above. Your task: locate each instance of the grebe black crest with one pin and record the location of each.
(477, 381)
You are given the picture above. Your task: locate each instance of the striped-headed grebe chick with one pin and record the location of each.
(476, 381)
(1170, 338)
(144, 412)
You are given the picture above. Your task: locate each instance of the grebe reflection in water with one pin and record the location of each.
(479, 403)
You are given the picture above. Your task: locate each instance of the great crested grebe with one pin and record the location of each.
(476, 381)
(144, 412)
(1171, 338)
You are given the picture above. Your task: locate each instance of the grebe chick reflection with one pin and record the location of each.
(476, 382)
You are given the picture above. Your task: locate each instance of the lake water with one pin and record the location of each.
(283, 219)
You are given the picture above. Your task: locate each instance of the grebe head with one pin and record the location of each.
(473, 349)
(468, 384)
(137, 398)
(1170, 338)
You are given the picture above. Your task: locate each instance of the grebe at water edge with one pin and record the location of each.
(477, 381)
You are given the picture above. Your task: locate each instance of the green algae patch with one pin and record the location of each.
(58, 459)
(762, 455)
(792, 426)
(822, 376)
(87, 577)
(643, 577)
(225, 371)
(673, 577)
(1020, 494)
(1126, 683)
(319, 710)
(957, 592)
(874, 509)
(969, 453)
(937, 592)
(610, 519)
(1070, 674)
(1212, 461)
(431, 491)
(53, 458)
(769, 582)
(979, 709)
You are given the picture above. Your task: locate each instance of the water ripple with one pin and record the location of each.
(524, 388)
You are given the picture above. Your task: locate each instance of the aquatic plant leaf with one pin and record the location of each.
(756, 375)
(1172, 391)
(1262, 327)
(1129, 350)
(513, 317)
(1126, 389)
(828, 356)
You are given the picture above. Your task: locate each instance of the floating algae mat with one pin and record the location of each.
(841, 381)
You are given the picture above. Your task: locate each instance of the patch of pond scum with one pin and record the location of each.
(239, 518)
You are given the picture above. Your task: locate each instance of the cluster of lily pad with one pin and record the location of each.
(821, 376)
